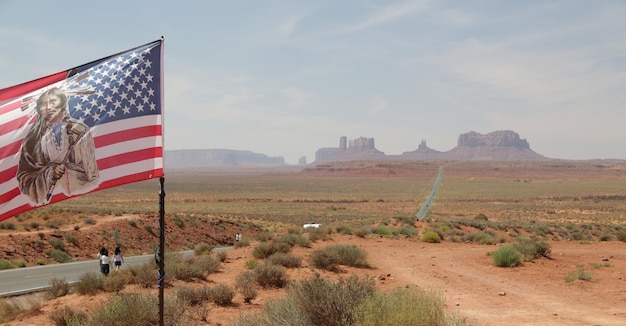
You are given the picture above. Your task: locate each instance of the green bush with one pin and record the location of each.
(266, 249)
(57, 243)
(245, 284)
(244, 242)
(330, 303)
(57, 288)
(89, 284)
(145, 275)
(295, 240)
(66, 316)
(127, 309)
(580, 274)
(330, 257)
(5, 264)
(251, 264)
(506, 256)
(115, 282)
(431, 237)
(285, 260)
(411, 306)
(222, 295)
(58, 255)
(203, 248)
(407, 231)
(319, 234)
(193, 295)
(269, 275)
(532, 249)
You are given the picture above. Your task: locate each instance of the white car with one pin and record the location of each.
(312, 225)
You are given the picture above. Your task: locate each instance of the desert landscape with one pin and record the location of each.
(577, 208)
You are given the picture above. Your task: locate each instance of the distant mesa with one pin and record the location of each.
(355, 149)
(191, 158)
(502, 145)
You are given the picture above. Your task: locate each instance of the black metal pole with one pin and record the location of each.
(161, 248)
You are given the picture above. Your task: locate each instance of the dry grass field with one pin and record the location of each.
(576, 207)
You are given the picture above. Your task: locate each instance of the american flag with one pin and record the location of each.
(119, 97)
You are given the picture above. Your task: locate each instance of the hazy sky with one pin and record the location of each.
(285, 78)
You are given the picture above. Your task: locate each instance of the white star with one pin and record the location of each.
(111, 113)
(117, 104)
(151, 92)
(126, 110)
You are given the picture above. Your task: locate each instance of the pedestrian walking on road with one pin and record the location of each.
(118, 258)
(105, 262)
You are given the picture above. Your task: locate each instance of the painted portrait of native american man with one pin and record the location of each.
(57, 153)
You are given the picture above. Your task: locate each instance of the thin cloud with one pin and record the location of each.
(387, 15)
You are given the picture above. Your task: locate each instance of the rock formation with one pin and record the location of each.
(354, 149)
(189, 158)
(502, 145)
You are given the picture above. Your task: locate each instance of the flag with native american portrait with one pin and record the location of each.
(92, 127)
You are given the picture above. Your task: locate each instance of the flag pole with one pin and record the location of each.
(161, 253)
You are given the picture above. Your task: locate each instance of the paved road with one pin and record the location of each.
(32, 279)
(421, 214)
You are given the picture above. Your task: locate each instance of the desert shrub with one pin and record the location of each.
(127, 309)
(319, 234)
(506, 256)
(18, 307)
(90, 221)
(7, 226)
(144, 275)
(243, 242)
(579, 274)
(58, 255)
(264, 236)
(66, 316)
(285, 260)
(18, 262)
(382, 230)
(179, 222)
(266, 249)
(330, 257)
(221, 256)
(57, 243)
(344, 229)
(480, 237)
(269, 275)
(132, 223)
(407, 231)
(283, 311)
(411, 306)
(115, 282)
(193, 295)
(293, 239)
(621, 236)
(245, 285)
(532, 249)
(182, 270)
(5, 264)
(431, 237)
(251, 264)
(203, 248)
(330, 303)
(206, 264)
(363, 232)
(57, 288)
(222, 295)
(89, 284)
(71, 239)
(325, 259)
(54, 224)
